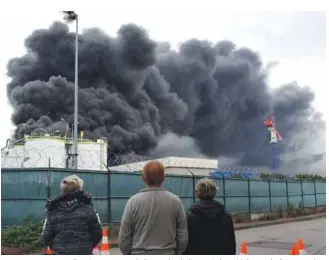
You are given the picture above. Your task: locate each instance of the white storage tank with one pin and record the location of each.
(13, 157)
(43, 150)
(54, 151)
(92, 155)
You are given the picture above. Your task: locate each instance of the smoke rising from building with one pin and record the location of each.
(148, 99)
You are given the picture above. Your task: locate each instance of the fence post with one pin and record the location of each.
(287, 194)
(49, 180)
(193, 183)
(302, 192)
(316, 199)
(109, 200)
(249, 200)
(269, 194)
(224, 195)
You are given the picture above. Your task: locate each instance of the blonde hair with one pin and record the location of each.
(206, 189)
(70, 184)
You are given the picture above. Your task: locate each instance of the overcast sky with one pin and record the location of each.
(295, 39)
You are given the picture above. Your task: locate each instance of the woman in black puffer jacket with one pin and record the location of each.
(72, 225)
(210, 227)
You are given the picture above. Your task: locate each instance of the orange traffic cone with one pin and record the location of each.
(96, 250)
(294, 250)
(301, 247)
(105, 247)
(49, 251)
(243, 250)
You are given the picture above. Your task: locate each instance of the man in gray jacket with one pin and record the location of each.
(154, 220)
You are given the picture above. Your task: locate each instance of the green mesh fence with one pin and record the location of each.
(24, 191)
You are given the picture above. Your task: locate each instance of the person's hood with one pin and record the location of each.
(69, 202)
(208, 209)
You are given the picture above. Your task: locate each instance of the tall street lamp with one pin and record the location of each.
(71, 16)
(67, 127)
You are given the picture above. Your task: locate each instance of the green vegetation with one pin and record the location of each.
(25, 236)
(290, 211)
(268, 217)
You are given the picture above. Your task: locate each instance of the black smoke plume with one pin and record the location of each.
(203, 99)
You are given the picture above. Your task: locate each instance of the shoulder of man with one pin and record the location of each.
(176, 201)
(139, 196)
(173, 195)
(133, 199)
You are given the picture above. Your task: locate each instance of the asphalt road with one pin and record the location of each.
(278, 239)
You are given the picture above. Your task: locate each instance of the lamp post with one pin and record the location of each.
(71, 16)
(296, 164)
(67, 127)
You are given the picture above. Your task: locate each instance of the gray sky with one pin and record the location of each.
(295, 39)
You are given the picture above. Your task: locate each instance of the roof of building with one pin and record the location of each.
(170, 162)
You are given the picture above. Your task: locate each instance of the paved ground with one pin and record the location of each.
(281, 237)
(278, 239)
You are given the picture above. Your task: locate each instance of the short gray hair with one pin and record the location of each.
(206, 189)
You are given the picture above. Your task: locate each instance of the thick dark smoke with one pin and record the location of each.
(203, 100)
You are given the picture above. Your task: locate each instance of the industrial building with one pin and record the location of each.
(175, 165)
(37, 151)
(40, 151)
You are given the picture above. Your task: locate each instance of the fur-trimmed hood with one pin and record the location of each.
(69, 202)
